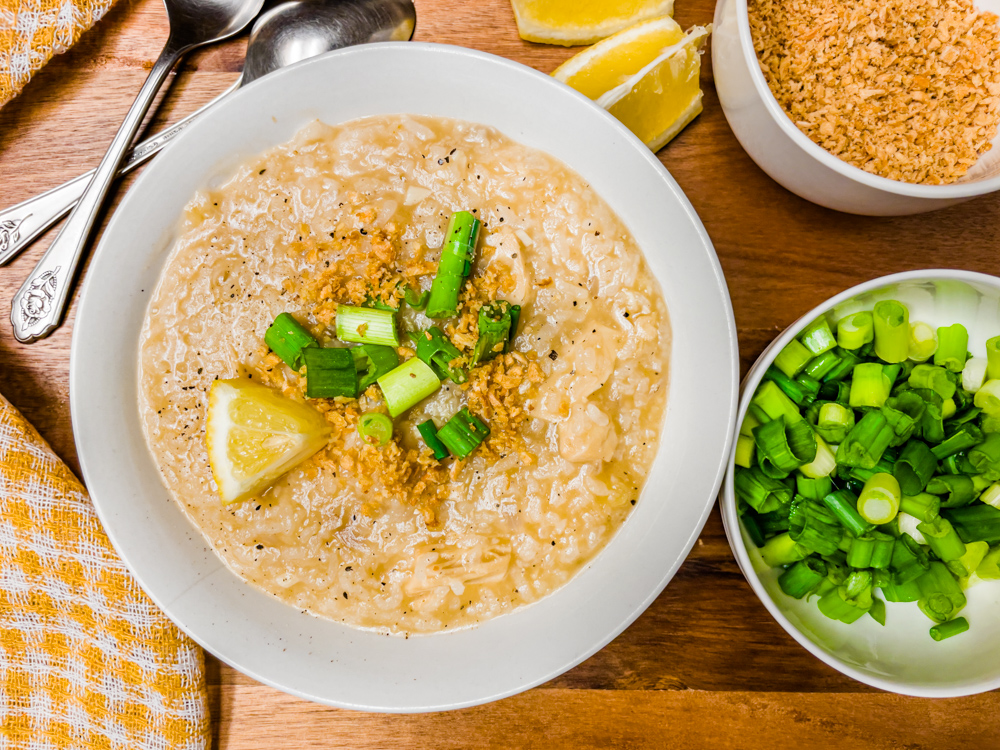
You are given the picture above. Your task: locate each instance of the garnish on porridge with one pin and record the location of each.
(366, 318)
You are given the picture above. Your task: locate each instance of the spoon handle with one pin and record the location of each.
(38, 306)
(20, 225)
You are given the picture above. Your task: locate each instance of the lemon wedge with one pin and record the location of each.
(255, 434)
(612, 62)
(653, 92)
(569, 22)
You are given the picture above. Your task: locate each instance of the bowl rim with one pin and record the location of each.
(626, 616)
(734, 527)
(820, 154)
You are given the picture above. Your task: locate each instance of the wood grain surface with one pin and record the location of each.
(705, 666)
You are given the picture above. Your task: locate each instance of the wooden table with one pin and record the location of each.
(705, 666)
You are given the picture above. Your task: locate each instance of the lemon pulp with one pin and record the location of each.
(570, 22)
(254, 435)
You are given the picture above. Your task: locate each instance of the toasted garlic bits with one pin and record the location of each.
(902, 89)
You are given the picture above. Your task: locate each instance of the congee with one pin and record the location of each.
(404, 372)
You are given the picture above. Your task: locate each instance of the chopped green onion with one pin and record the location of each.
(774, 403)
(989, 568)
(803, 577)
(744, 451)
(835, 421)
(985, 457)
(909, 560)
(848, 361)
(941, 597)
(975, 523)
(330, 373)
(877, 610)
(822, 364)
(436, 350)
(914, 467)
(408, 385)
(428, 431)
(942, 538)
(782, 550)
(865, 444)
(375, 428)
(849, 601)
(992, 495)
(966, 565)
(416, 298)
(817, 337)
(922, 506)
(813, 489)
(759, 491)
(814, 527)
(901, 592)
(953, 343)
(988, 397)
(494, 330)
(287, 338)
(869, 385)
(871, 550)
(950, 628)
(365, 325)
(879, 500)
(892, 331)
(959, 488)
(966, 436)
(974, 374)
(933, 377)
(855, 331)
(948, 408)
(782, 448)
(993, 358)
(749, 523)
(372, 361)
(793, 358)
(463, 433)
(845, 507)
(457, 253)
(904, 413)
(923, 342)
(515, 318)
(932, 420)
(749, 422)
(824, 463)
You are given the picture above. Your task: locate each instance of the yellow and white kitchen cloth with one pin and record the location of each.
(86, 659)
(32, 31)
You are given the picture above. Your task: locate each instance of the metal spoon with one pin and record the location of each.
(40, 302)
(286, 34)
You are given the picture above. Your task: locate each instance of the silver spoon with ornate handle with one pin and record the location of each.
(284, 35)
(39, 304)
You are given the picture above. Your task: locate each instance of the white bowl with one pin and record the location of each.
(316, 658)
(900, 657)
(793, 160)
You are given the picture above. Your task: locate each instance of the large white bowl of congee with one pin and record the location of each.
(404, 380)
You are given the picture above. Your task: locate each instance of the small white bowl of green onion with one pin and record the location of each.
(863, 496)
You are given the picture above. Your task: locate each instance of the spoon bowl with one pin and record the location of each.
(295, 31)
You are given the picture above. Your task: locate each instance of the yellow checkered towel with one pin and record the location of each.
(86, 659)
(32, 31)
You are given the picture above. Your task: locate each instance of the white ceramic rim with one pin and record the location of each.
(937, 192)
(730, 517)
(729, 401)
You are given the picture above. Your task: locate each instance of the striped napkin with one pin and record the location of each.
(86, 659)
(32, 31)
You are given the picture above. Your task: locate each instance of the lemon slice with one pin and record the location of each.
(570, 22)
(613, 61)
(254, 435)
(658, 101)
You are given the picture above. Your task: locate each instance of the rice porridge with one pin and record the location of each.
(386, 536)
